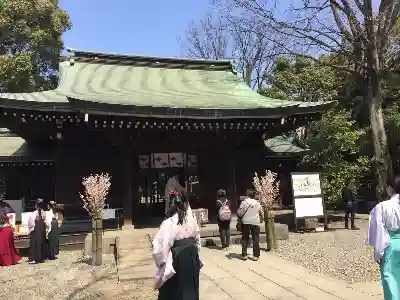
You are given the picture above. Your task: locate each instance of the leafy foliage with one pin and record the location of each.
(301, 79)
(334, 141)
(30, 44)
(335, 149)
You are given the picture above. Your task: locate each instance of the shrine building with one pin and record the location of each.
(141, 119)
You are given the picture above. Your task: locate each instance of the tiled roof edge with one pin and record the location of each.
(124, 58)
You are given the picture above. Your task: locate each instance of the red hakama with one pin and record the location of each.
(8, 253)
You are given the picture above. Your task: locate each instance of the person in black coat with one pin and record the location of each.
(350, 202)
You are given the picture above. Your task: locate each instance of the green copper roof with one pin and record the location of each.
(16, 149)
(152, 82)
(284, 145)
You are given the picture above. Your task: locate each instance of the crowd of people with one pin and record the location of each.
(43, 231)
(177, 243)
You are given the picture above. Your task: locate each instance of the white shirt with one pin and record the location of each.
(250, 211)
(384, 218)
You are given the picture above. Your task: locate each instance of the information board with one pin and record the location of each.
(309, 207)
(308, 200)
(306, 184)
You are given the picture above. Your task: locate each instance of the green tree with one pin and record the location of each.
(302, 79)
(335, 149)
(30, 44)
(334, 141)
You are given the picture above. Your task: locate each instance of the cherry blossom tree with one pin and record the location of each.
(267, 188)
(96, 188)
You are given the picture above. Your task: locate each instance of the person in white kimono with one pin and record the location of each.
(172, 185)
(176, 254)
(384, 236)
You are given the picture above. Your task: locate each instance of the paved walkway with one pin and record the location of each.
(225, 276)
(135, 259)
(271, 278)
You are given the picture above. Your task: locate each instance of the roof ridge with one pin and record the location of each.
(123, 58)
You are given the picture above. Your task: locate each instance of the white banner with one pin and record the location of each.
(309, 207)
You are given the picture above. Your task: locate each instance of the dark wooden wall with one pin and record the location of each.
(225, 161)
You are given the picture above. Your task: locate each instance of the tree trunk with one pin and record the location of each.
(381, 157)
(270, 237)
(94, 240)
(97, 242)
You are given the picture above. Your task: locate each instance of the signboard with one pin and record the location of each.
(11, 219)
(108, 213)
(308, 207)
(306, 184)
(308, 201)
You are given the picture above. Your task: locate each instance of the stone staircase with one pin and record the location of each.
(135, 261)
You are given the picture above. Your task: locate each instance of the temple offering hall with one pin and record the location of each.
(141, 120)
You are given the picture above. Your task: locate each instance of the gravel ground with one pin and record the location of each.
(341, 253)
(70, 277)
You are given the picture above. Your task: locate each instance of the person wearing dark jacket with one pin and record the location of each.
(350, 202)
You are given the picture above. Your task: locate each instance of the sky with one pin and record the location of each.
(131, 26)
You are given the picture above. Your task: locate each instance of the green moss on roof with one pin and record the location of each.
(156, 82)
(284, 145)
(16, 149)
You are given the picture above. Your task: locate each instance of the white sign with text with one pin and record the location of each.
(306, 184)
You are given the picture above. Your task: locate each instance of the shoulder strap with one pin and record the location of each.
(248, 206)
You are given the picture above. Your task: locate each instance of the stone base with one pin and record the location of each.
(128, 227)
(109, 244)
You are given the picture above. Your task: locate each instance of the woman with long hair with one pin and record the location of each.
(37, 233)
(8, 253)
(53, 232)
(176, 253)
(384, 236)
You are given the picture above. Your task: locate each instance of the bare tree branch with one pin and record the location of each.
(206, 39)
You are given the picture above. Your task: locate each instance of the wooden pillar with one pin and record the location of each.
(127, 186)
(231, 170)
(58, 172)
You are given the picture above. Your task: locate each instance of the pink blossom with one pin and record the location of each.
(267, 188)
(96, 188)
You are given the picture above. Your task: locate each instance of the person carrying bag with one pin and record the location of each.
(249, 219)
